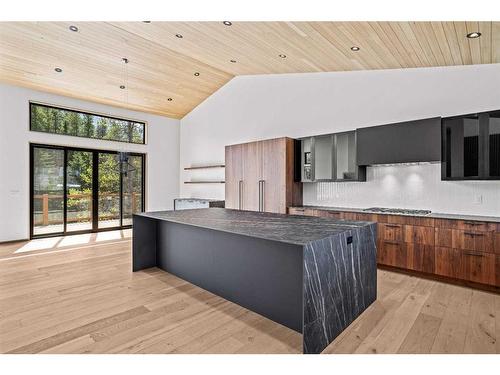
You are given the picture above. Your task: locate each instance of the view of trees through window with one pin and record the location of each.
(68, 122)
(116, 189)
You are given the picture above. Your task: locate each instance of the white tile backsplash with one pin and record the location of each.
(408, 186)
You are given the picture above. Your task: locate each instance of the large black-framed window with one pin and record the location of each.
(57, 120)
(79, 190)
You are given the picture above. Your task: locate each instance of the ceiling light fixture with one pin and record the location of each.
(58, 70)
(125, 60)
(73, 28)
(196, 74)
(122, 87)
(355, 48)
(282, 56)
(233, 61)
(474, 35)
(179, 36)
(227, 23)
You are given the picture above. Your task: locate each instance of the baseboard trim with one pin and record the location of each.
(448, 280)
(13, 241)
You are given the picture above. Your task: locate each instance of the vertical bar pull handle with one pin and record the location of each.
(263, 184)
(260, 197)
(240, 194)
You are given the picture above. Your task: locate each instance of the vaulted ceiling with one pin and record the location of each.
(174, 66)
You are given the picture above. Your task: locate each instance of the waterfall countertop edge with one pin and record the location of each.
(293, 229)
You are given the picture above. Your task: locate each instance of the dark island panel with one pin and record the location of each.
(340, 282)
(261, 275)
(143, 243)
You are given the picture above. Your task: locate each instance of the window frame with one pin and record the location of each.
(84, 112)
(95, 189)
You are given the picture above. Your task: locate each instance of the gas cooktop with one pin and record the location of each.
(398, 211)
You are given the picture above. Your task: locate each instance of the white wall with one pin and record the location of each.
(259, 107)
(162, 154)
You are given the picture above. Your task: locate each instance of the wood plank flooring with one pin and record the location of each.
(78, 295)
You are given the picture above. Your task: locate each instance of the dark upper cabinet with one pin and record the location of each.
(331, 157)
(403, 142)
(471, 147)
(493, 144)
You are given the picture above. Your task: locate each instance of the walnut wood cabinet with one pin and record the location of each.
(456, 249)
(260, 176)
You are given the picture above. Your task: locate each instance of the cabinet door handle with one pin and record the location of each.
(472, 223)
(393, 226)
(263, 194)
(260, 195)
(473, 234)
(474, 254)
(240, 194)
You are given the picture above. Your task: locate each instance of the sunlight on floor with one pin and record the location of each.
(79, 239)
(40, 244)
(108, 236)
(55, 243)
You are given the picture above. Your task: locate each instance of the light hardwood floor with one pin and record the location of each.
(78, 295)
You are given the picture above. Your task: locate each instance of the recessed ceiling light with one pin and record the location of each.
(58, 70)
(474, 35)
(179, 36)
(122, 87)
(196, 74)
(227, 23)
(169, 99)
(73, 28)
(282, 56)
(355, 48)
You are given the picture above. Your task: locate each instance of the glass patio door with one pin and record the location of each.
(109, 190)
(80, 190)
(132, 184)
(47, 191)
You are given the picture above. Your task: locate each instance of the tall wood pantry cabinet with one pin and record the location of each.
(260, 176)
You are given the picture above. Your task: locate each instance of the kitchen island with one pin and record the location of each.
(313, 275)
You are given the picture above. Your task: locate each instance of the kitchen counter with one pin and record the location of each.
(432, 215)
(299, 230)
(313, 275)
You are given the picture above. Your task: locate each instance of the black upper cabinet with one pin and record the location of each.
(403, 142)
(471, 147)
(493, 133)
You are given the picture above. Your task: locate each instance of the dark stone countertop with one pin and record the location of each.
(297, 230)
(432, 215)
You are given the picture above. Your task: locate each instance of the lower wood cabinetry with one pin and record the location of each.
(420, 257)
(456, 249)
(497, 270)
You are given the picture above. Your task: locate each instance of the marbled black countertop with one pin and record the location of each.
(298, 230)
(432, 215)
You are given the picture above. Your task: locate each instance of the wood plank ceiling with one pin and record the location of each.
(174, 66)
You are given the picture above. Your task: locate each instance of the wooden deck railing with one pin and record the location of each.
(45, 206)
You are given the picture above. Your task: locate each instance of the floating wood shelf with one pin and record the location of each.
(204, 182)
(205, 167)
